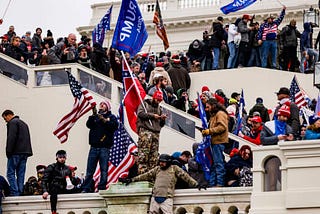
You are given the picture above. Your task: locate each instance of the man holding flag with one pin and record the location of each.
(102, 126)
(100, 30)
(149, 124)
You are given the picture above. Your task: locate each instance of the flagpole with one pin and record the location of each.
(135, 84)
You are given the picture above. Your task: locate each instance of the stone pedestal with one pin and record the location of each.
(122, 199)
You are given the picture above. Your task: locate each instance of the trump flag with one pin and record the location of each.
(130, 33)
(236, 5)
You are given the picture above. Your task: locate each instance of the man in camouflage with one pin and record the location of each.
(149, 123)
(165, 177)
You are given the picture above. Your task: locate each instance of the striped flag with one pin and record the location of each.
(161, 31)
(120, 158)
(297, 95)
(83, 102)
(100, 30)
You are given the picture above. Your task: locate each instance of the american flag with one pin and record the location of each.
(83, 102)
(161, 31)
(99, 31)
(297, 95)
(120, 158)
(134, 95)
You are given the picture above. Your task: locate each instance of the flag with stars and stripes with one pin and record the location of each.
(297, 95)
(160, 30)
(83, 102)
(133, 95)
(100, 30)
(120, 157)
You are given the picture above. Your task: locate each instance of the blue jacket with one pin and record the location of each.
(102, 130)
(305, 40)
(312, 135)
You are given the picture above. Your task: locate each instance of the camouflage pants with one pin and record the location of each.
(148, 148)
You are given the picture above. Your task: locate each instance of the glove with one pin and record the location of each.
(201, 186)
(205, 132)
(126, 181)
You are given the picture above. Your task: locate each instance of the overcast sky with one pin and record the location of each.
(60, 16)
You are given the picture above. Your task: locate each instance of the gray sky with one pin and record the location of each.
(60, 16)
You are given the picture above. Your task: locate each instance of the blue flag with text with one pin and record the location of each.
(130, 33)
(236, 5)
(100, 30)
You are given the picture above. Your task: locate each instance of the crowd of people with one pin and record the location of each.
(165, 77)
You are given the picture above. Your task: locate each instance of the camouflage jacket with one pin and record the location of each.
(165, 180)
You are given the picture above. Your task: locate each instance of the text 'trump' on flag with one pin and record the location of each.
(83, 102)
(130, 33)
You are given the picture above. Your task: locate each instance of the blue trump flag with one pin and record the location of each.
(130, 33)
(204, 154)
(100, 30)
(236, 5)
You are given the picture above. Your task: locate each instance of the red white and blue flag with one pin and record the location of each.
(120, 158)
(83, 102)
(297, 95)
(100, 30)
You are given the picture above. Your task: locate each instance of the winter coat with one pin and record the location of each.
(218, 127)
(18, 138)
(147, 117)
(259, 107)
(268, 137)
(236, 162)
(180, 77)
(102, 131)
(217, 35)
(289, 36)
(54, 178)
(305, 40)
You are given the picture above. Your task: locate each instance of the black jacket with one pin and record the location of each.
(54, 178)
(4, 187)
(18, 138)
(102, 131)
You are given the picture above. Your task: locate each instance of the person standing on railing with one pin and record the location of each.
(149, 124)
(218, 129)
(102, 125)
(18, 149)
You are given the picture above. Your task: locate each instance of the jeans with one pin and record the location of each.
(206, 64)
(16, 169)
(269, 47)
(233, 50)
(216, 53)
(217, 171)
(255, 57)
(95, 155)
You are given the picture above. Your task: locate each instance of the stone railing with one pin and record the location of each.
(135, 198)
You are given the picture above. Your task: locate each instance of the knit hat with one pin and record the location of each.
(158, 95)
(284, 111)
(283, 90)
(246, 16)
(313, 119)
(40, 168)
(259, 100)
(159, 64)
(107, 103)
(73, 168)
(256, 119)
(205, 88)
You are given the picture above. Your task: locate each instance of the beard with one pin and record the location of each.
(154, 104)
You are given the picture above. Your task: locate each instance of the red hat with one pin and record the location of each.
(4, 37)
(159, 64)
(246, 16)
(145, 55)
(205, 88)
(284, 111)
(158, 95)
(72, 168)
(256, 119)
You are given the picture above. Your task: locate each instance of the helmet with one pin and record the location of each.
(165, 158)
